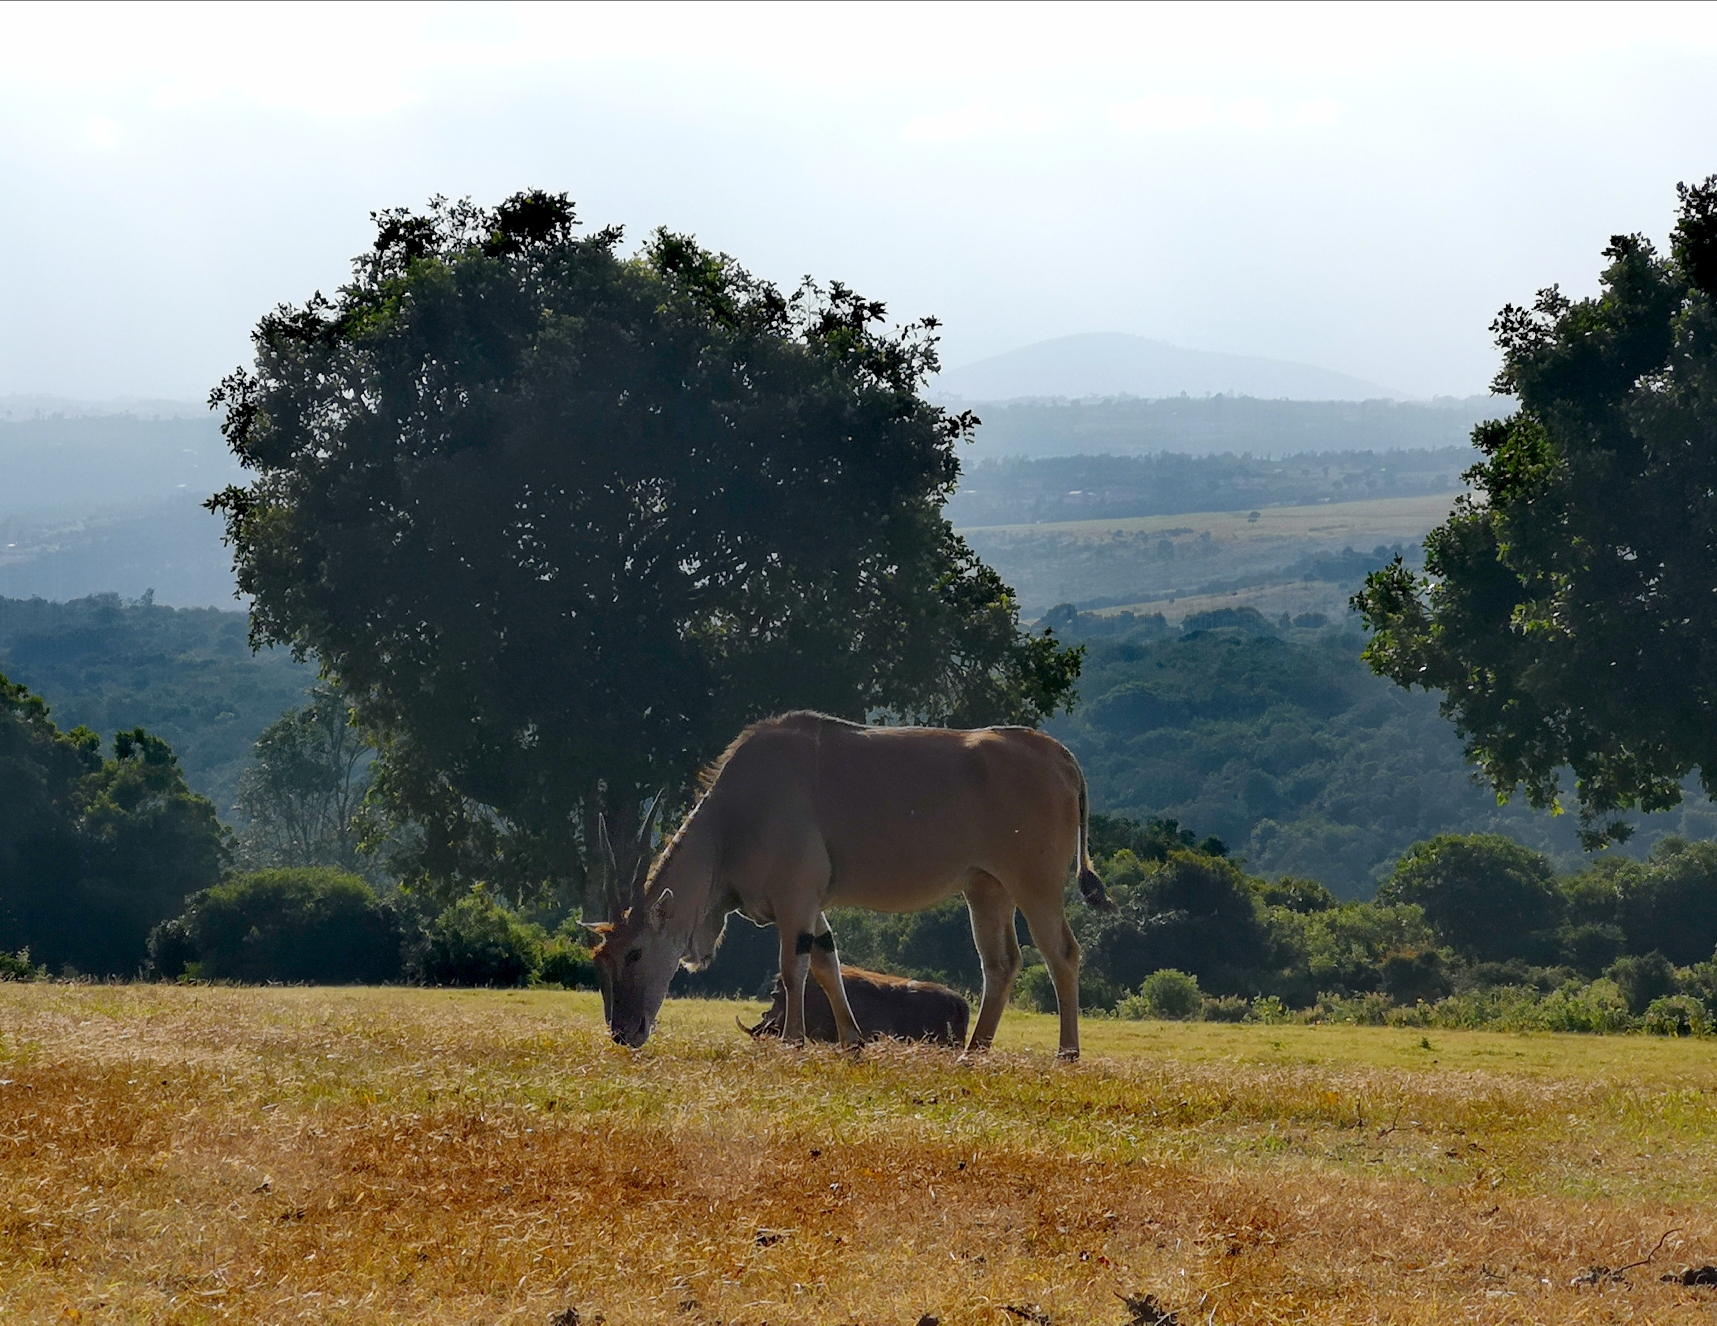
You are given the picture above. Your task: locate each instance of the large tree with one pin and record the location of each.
(561, 520)
(300, 796)
(1568, 609)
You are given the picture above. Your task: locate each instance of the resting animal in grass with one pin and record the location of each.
(806, 812)
(882, 1005)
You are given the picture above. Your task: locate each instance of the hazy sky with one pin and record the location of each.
(1352, 186)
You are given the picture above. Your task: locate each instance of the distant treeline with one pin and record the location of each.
(1205, 425)
(1020, 491)
(187, 675)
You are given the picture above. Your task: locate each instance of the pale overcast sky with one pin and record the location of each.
(1357, 187)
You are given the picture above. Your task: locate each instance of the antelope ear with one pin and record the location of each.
(659, 909)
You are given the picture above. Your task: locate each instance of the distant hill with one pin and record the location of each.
(1209, 426)
(95, 504)
(1114, 364)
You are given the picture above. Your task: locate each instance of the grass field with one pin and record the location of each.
(174, 1154)
(1381, 521)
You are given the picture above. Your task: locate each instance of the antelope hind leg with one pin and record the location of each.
(993, 931)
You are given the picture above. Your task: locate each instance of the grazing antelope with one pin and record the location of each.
(805, 812)
(882, 1005)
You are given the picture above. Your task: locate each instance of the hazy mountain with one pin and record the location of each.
(1114, 364)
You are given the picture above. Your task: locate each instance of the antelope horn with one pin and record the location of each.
(652, 815)
(603, 841)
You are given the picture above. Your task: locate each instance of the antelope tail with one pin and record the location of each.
(1090, 884)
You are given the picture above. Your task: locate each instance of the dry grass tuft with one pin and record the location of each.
(189, 1155)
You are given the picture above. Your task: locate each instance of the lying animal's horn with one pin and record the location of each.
(749, 1031)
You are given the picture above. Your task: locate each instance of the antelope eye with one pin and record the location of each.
(634, 955)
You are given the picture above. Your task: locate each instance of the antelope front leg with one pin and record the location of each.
(796, 947)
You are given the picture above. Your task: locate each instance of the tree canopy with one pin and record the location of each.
(1567, 608)
(93, 851)
(559, 520)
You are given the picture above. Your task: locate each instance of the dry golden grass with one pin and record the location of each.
(188, 1155)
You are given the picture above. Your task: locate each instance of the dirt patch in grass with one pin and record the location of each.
(332, 1155)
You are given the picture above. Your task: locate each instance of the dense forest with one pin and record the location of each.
(187, 675)
(1277, 739)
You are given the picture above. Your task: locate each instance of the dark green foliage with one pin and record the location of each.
(1297, 895)
(1566, 612)
(1173, 994)
(1485, 897)
(1152, 841)
(1292, 753)
(93, 853)
(477, 942)
(187, 675)
(1667, 903)
(1410, 976)
(567, 963)
(1676, 1015)
(1670, 903)
(1244, 617)
(1642, 978)
(321, 926)
(1192, 912)
(18, 967)
(743, 967)
(563, 521)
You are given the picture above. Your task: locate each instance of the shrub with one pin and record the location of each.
(567, 963)
(1033, 989)
(173, 950)
(18, 967)
(1270, 1011)
(1366, 1010)
(476, 941)
(1229, 1008)
(318, 925)
(1589, 948)
(1171, 994)
(1642, 979)
(1676, 1015)
(1097, 993)
(1411, 977)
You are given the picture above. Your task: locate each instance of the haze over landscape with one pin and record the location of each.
(947, 535)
